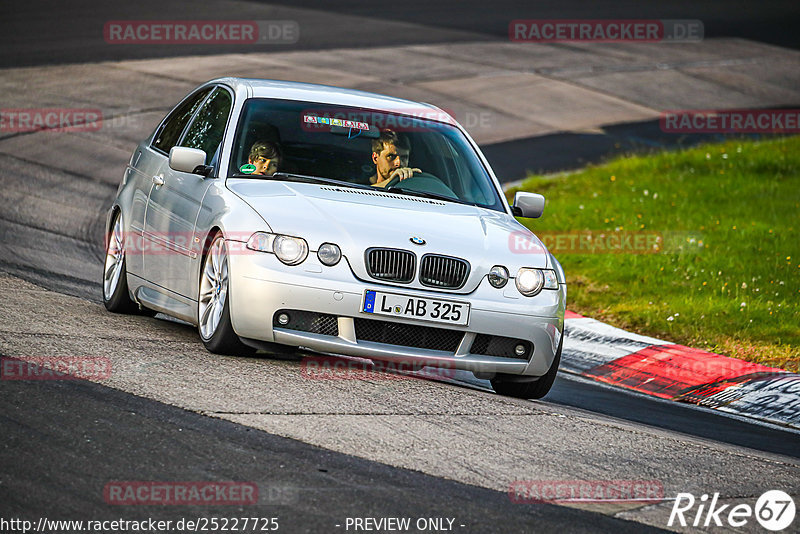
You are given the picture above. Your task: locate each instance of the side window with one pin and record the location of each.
(171, 129)
(206, 130)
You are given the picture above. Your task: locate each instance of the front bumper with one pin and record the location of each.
(260, 285)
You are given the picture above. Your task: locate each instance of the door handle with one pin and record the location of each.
(158, 180)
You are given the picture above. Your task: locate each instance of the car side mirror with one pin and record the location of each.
(528, 205)
(185, 159)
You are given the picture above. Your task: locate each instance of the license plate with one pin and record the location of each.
(425, 309)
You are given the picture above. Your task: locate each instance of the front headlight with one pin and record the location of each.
(290, 250)
(531, 281)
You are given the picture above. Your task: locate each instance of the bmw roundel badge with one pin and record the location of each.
(417, 240)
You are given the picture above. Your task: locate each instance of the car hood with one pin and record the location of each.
(359, 219)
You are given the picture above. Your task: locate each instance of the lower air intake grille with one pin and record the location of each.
(500, 346)
(408, 335)
(305, 321)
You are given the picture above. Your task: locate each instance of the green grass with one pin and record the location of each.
(728, 277)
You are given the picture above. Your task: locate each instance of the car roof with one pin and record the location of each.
(328, 94)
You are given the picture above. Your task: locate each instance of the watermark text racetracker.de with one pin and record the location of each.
(180, 493)
(586, 491)
(364, 122)
(587, 242)
(55, 368)
(169, 243)
(183, 32)
(731, 121)
(604, 30)
(606, 242)
(20, 120)
(67, 120)
(114, 526)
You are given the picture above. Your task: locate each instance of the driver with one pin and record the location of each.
(266, 158)
(390, 154)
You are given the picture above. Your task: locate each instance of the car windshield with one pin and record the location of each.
(288, 140)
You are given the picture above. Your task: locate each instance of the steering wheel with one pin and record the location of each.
(423, 182)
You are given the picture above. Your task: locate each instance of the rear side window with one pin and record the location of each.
(208, 126)
(170, 131)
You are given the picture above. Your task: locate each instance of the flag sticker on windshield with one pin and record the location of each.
(332, 121)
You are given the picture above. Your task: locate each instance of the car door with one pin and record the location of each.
(147, 166)
(175, 199)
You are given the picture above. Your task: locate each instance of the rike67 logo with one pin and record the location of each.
(774, 510)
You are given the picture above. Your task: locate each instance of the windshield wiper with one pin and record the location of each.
(290, 177)
(415, 193)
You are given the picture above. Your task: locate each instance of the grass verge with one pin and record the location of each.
(717, 264)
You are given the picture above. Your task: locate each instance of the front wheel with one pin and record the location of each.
(535, 389)
(213, 303)
(116, 297)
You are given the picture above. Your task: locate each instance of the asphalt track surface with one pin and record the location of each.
(104, 434)
(74, 34)
(62, 441)
(40, 32)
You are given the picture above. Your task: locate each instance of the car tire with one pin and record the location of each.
(533, 389)
(213, 302)
(116, 297)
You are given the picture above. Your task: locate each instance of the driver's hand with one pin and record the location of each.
(403, 173)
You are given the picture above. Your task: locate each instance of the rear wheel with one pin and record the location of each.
(213, 303)
(534, 389)
(116, 297)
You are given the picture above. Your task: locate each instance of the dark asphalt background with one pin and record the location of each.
(51, 32)
(63, 441)
(47, 32)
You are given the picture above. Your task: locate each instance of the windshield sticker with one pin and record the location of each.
(332, 121)
(247, 168)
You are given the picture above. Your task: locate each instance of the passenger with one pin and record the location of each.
(266, 158)
(390, 153)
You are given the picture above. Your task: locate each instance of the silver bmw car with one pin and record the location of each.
(276, 215)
